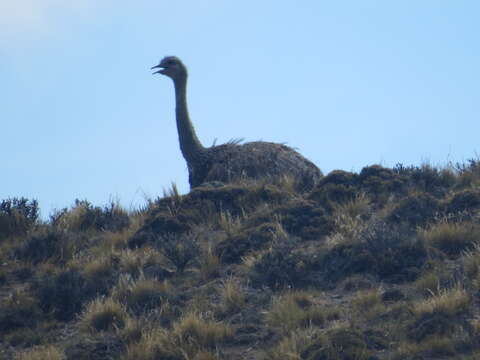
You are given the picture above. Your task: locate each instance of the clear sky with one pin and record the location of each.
(347, 83)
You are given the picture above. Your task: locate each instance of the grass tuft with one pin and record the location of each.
(103, 314)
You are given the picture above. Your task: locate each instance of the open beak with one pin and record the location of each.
(159, 66)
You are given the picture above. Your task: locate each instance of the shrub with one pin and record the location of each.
(17, 311)
(281, 267)
(426, 178)
(84, 216)
(416, 209)
(337, 187)
(390, 252)
(46, 245)
(62, 294)
(380, 182)
(17, 216)
(179, 250)
(464, 201)
(248, 240)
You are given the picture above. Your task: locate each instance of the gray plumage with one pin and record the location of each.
(232, 161)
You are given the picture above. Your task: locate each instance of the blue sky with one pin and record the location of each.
(348, 83)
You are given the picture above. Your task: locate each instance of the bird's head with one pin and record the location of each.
(172, 67)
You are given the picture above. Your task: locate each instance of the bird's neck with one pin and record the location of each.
(189, 144)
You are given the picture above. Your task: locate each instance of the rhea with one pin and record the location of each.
(232, 161)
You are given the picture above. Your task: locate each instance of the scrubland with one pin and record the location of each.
(380, 264)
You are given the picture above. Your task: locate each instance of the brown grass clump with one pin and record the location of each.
(292, 346)
(190, 338)
(233, 295)
(209, 264)
(154, 344)
(142, 294)
(368, 303)
(49, 352)
(449, 302)
(202, 331)
(294, 310)
(450, 237)
(103, 314)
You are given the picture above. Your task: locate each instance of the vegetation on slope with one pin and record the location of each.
(383, 264)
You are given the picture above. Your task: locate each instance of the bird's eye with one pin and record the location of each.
(170, 62)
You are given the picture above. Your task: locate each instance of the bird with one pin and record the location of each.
(232, 161)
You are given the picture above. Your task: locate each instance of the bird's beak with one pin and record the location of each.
(159, 66)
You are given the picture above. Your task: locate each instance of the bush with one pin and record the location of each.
(281, 267)
(245, 241)
(416, 209)
(388, 251)
(17, 216)
(84, 216)
(17, 311)
(46, 245)
(336, 188)
(179, 250)
(464, 201)
(426, 178)
(62, 294)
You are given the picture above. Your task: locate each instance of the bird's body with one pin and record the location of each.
(232, 161)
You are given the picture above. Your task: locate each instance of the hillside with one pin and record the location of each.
(380, 264)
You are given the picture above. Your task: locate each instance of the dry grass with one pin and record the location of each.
(471, 261)
(210, 264)
(450, 302)
(450, 237)
(436, 347)
(48, 352)
(292, 346)
(192, 337)
(103, 314)
(154, 344)
(368, 303)
(433, 280)
(233, 296)
(230, 224)
(141, 294)
(205, 332)
(294, 310)
(99, 268)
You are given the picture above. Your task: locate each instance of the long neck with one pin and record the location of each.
(189, 143)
